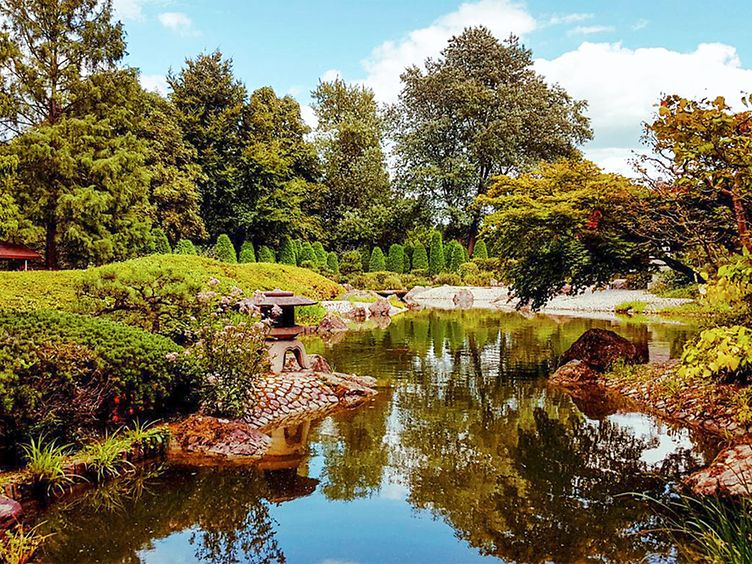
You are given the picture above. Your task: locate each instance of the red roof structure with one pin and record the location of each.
(11, 251)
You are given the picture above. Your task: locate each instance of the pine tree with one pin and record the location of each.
(287, 252)
(436, 263)
(321, 255)
(365, 258)
(406, 264)
(332, 263)
(185, 247)
(377, 262)
(420, 257)
(307, 255)
(266, 254)
(395, 261)
(480, 251)
(247, 253)
(298, 247)
(161, 244)
(224, 251)
(456, 256)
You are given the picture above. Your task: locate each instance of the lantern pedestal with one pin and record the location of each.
(279, 306)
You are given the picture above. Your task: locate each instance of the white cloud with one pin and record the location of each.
(128, 9)
(640, 24)
(387, 61)
(331, 74)
(177, 22)
(568, 19)
(309, 116)
(590, 29)
(154, 83)
(623, 86)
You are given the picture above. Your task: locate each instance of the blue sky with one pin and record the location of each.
(618, 54)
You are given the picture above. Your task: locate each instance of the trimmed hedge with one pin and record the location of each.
(247, 253)
(185, 247)
(224, 250)
(377, 262)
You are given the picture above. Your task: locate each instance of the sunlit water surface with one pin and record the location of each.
(466, 456)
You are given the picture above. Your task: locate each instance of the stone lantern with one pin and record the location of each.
(284, 332)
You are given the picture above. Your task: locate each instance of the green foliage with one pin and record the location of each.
(436, 263)
(247, 253)
(365, 258)
(161, 244)
(456, 256)
(351, 263)
(106, 457)
(320, 253)
(307, 254)
(634, 307)
(332, 263)
(721, 353)
(377, 262)
(395, 261)
(45, 460)
(420, 257)
(266, 254)
(480, 251)
(19, 546)
(728, 295)
(287, 252)
(185, 247)
(224, 250)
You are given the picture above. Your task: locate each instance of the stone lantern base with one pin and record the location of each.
(279, 349)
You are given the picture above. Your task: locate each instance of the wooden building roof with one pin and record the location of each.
(11, 251)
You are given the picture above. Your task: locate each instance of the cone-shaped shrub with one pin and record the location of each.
(287, 252)
(185, 247)
(307, 254)
(480, 251)
(377, 262)
(365, 258)
(332, 263)
(456, 256)
(265, 254)
(161, 244)
(297, 244)
(436, 260)
(465, 254)
(247, 253)
(395, 261)
(318, 249)
(224, 251)
(406, 265)
(420, 257)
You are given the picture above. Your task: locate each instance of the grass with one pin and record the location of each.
(310, 315)
(18, 546)
(46, 462)
(689, 292)
(631, 307)
(107, 458)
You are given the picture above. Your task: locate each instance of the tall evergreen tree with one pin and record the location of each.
(318, 249)
(436, 258)
(287, 252)
(185, 247)
(395, 260)
(480, 251)
(420, 257)
(332, 263)
(224, 250)
(377, 262)
(247, 253)
(161, 244)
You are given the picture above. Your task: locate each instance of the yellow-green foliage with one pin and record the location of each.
(631, 307)
(721, 353)
(57, 290)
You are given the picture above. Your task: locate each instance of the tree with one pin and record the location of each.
(456, 256)
(562, 223)
(480, 251)
(351, 263)
(266, 254)
(478, 110)
(395, 260)
(320, 253)
(224, 250)
(307, 254)
(247, 253)
(185, 247)
(287, 252)
(376, 264)
(161, 244)
(420, 257)
(436, 263)
(332, 263)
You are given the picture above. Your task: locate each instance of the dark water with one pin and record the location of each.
(467, 456)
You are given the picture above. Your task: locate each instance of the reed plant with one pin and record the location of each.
(46, 462)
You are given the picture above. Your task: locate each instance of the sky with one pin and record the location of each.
(619, 55)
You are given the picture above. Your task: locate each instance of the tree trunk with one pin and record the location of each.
(740, 215)
(51, 245)
(682, 268)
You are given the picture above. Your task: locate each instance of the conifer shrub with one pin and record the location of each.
(365, 258)
(247, 253)
(298, 247)
(321, 254)
(377, 262)
(436, 264)
(480, 251)
(351, 263)
(266, 254)
(332, 263)
(456, 256)
(161, 244)
(420, 257)
(307, 255)
(185, 247)
(287, 252)
(395, 261)
(224, 250)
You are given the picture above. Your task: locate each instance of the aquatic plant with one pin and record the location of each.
(19, 546)
(46, 462)
(107, 457)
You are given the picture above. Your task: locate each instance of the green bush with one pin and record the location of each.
(448, 278)
(456, 256)
(298, 247)
(365, 258)
(332, 263)
(420, 257)
(307, 254)
(266, 254)
(468, 270)
(436, 259)
(247, 253)
(395, 261)
(480, 251)
(185, 247)
(318, 250)
(377, 262)
(721, 353)
(351, 263)
(224, 250)
(287, 252)
(161, 243)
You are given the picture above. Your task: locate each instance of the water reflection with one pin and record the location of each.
(466, 456)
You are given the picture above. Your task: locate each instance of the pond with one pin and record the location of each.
(465, 456)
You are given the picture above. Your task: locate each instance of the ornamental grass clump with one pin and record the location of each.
(19, 545)
(45, 461)
(107, 457)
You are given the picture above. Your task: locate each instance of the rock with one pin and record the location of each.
(319, 364)
(463, 299)
(380, 308)
(619, 284)
(332, 324)
(10, 512)
(600, 349)
(730, 474)
(409, 298)
(347, 287)
(213, 437)
(566, 290)
(494, 283)
(573, 374)
(358, 313)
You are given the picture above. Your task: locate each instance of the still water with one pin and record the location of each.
(464, 456)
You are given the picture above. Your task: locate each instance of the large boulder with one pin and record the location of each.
(380, 308)
(600, 349)
(218, 438)
(409, 298)
(10, 512)
(730, 474)
(574, 373)
(332, 324)
(463, 299)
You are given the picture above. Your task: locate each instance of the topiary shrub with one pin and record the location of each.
(298, 247)
(456, 256)
(161, 243)
(332, 263)
(307, 254)
(185, 247)
(480, 251)
(351, 263)
(420, 257)
(436, 262)
(287, 252)
(377, 262)
(395, 261)
(468, 270)
(224, 250)
(266, 254)
(318, 250)
(365, 258)
(247, 253)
